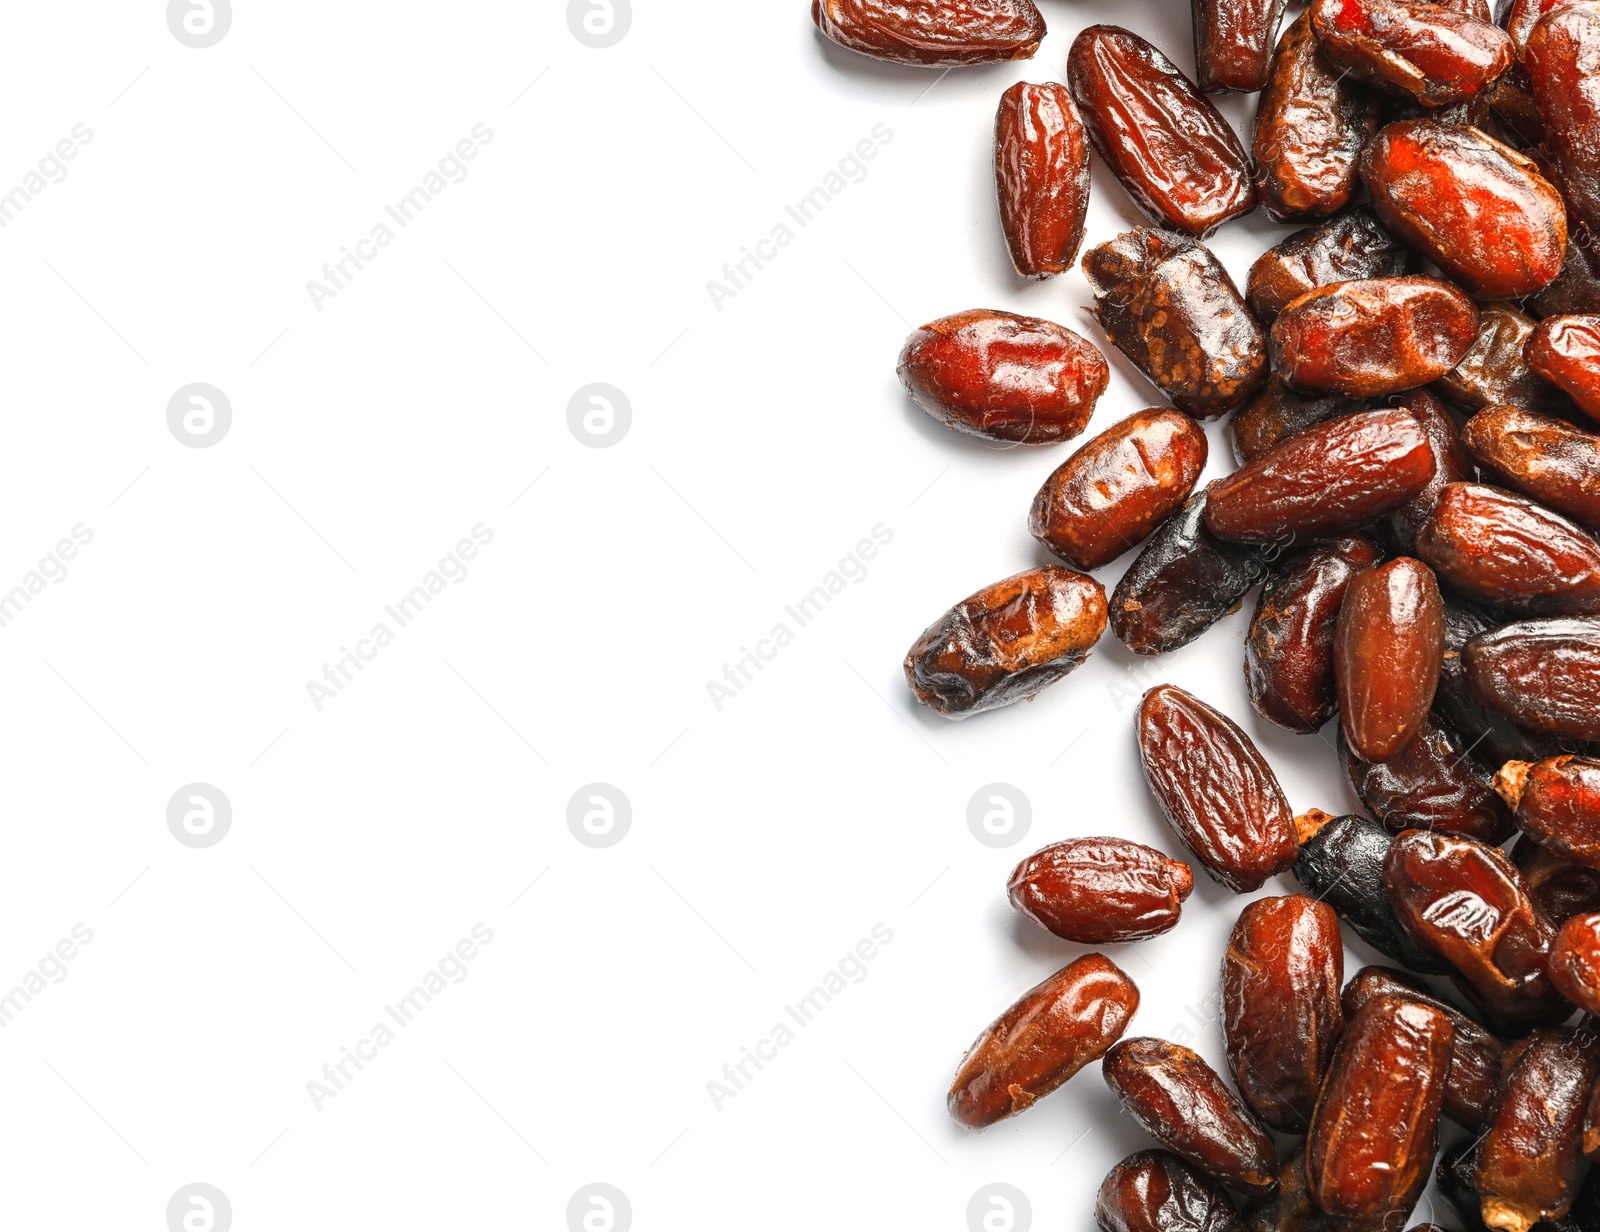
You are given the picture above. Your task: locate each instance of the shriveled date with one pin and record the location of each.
(1560, 62)
(1101, 890)
(1566, 352)
(1435, 53)
(1575, 962)
(1278, 413)
(950, 32)
(1155, 1191)
(1494, 371)
(1546, 458)
(1558, 803)
(1543, 674)
(1430, 785)
(1352, 245)
(1041, 171)
(1387, 648)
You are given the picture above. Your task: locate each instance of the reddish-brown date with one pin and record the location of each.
(1186, 1106)
(1099, 891)
(1530, 1159)
(1053, 1031)
(1155, 1191)
(1575, 962)
(1373, 336)
(1170, 307)
(1467, 904)
(1566, 351)
(1352, 245)
(1311, 123)
(1215, 789)
(1560, 887)
(1503, 549)
(1456, 1175)
(1332, 478)
(1003, 377)
(1277, 413)
(1475, 207)
(1541, 674)
(1386, 652)
(1292, 1209)
(1559, 58)
(1434, 53)
(1233, 43)
(1288, 662)
(1495, 372)
(1182, 582)
(1281, 1015)
(1041, 173)
(1543, 457)
(1557, 801)
(1377, 1120)
(1577, 289)
(1475, 1054)
(950, 32)
(1430, 785)
(1450, 465)
(1521, 16)
(1007, 642)
(1118, 487)
(1513, 110)
(1166, 143)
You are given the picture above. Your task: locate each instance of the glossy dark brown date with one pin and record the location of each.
(1541, 674)
(1352, 245)
(1435, 53)
(1387, 646)
(1544, 458)
(1041, 173)
(1557, 802)
(1101, 890)
(957, 32)
(1430, 785)
(1566, 352)
(1495, 372)
(1559, 59)
(1278, 413)
(1560, 887)
(1233, 43)
(1575, 962)
(1155, 1191)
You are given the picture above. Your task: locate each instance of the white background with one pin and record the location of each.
(368, 436)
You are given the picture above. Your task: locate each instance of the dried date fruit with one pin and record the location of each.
(1577, 289)
(1004, 377)
(1278, 413)
(1561, 888)
(1467, 904)
(1373, 336)
(1182, 582)
(1215, 789)
(950, 32)
(1575, 962)
(1386, 652)
(1494, 372)
(1331, 478)
(1545, 458)
(1503, 549)
(1530, 1159)
(1341, 861)
(1117, 488)
(1475, 207)
(1291, 1209)
(1007, 642)
(1288, 663)
(1053, 1031)
(1101, 890)
(1311, 123)
(1377, 1120)
(1166, 143)
(1475, 1054)
(1512, 107)
(1521, 16)
(1559, 59)
(1566, 352)
(1281, 1014)
(1541, 674)
(1170, 307)
(1041, 172)
(1434, 53)
(1430, 785)
(1450, 465)
(1457, 1170)
(1352, 245)
(1155, 1191)
(1233, 43)
(1558, 804)
(1185, 1106)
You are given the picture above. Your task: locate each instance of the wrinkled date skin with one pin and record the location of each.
(1170, 307)
(1377, 1121)
(1007, 642)
(1004, 377)
(1332, 478)
(1182, 582)
(1504, 550)
(1373, 336)
(1543, 674)
(1466, 903)
(1478, 209)
(1521, 16)
(1186, 1106)
(1353, 245)
(1457, 1172)
(1559, 59)
(1341, 861)
(1386, 652)
(1215, 789)
(1233, 43)
(1155, 1191)
(1278, 413)
(1566, 352)
(1041, 172)
(1292, 1209)
(1281, 1014)
(1475, 1055)
(1543, 457)
(1100, 891)
(1560, 887)
(1434, 53)
(1558, 804)
(948, 33)
(1430, 785)
(1495, 372)
(1575, 962)
(1450, 465)
(1312, 121)
(1577, 289)
(1530, 1159)
(1166, 143)
(1052, 1032)
(1117, 488)
(1288, 663)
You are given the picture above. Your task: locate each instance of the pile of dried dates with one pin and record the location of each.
(1414, 384)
